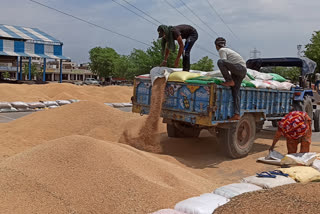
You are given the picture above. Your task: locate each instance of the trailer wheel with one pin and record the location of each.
(316, 120)
(180, 130)
(237, 140)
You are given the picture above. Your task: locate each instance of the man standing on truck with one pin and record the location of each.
(296, 128)
(169, 34)
(231, 61)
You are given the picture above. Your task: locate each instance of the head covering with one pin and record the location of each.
(294, 125)
(220, 42)
(168, 41)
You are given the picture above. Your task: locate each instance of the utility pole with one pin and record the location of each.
(254, 54)
(299, 47)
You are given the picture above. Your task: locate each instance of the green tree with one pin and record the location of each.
(103, 61)
(290, 73)
(121, 68)
(34, 71)
(204, 64)
(5, 75)
(313, 49)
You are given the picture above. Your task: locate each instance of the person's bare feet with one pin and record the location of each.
(235, 117)
(230, 83)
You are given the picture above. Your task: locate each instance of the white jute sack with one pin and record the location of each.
(19, 105)
(304, 159)
(167, 211)
(203, 204)
(34, 105)
(316, 163)
(232, 190)
(5, 105)
(159, 72)
(63, 102)
(268, 183)
(50, 103)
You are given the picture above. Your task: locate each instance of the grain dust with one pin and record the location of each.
(148, 138)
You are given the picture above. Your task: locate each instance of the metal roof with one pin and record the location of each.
(26, 33)
(29, 42)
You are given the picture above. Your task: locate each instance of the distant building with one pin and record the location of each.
(21, 46)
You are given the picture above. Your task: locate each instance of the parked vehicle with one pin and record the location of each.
(189, 108)
(91, 81)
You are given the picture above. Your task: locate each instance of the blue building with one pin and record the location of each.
(21, 42)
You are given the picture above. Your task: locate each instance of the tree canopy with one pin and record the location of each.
(107, 62)
(313, 49)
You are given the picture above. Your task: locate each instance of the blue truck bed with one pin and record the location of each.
(209, 105)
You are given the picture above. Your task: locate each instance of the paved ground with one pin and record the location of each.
(8, 117)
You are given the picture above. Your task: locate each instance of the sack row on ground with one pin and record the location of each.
(31, 106)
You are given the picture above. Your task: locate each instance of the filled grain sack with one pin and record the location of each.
(127, 104)
(302, 174)
(248, 84)
(50, 103)
(73, 101)
(5, 105)
(19, 105)
(205, 80)
(63, 102)
(181, 76)
(273, 158)
(232, 190)
(167, 211)
(268, 183)
(285, 86)
(277, 77)
(35, 105)
(8, 110)
(316, 164)
(259, 84)
(160, 72)
(302, 159)
(203, 204)
(118, 105)
(259, 75)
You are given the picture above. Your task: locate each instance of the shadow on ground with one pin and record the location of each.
(199, 153)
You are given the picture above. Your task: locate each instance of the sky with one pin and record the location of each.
(275, 28)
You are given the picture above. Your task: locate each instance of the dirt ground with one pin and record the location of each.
(68, 160)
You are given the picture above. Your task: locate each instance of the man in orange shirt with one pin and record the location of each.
(296, 127)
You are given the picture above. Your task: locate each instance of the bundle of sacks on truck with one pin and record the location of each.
(253, 79)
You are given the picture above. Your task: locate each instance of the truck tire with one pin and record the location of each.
(237, 140)
(180, 130)
(316, 120)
